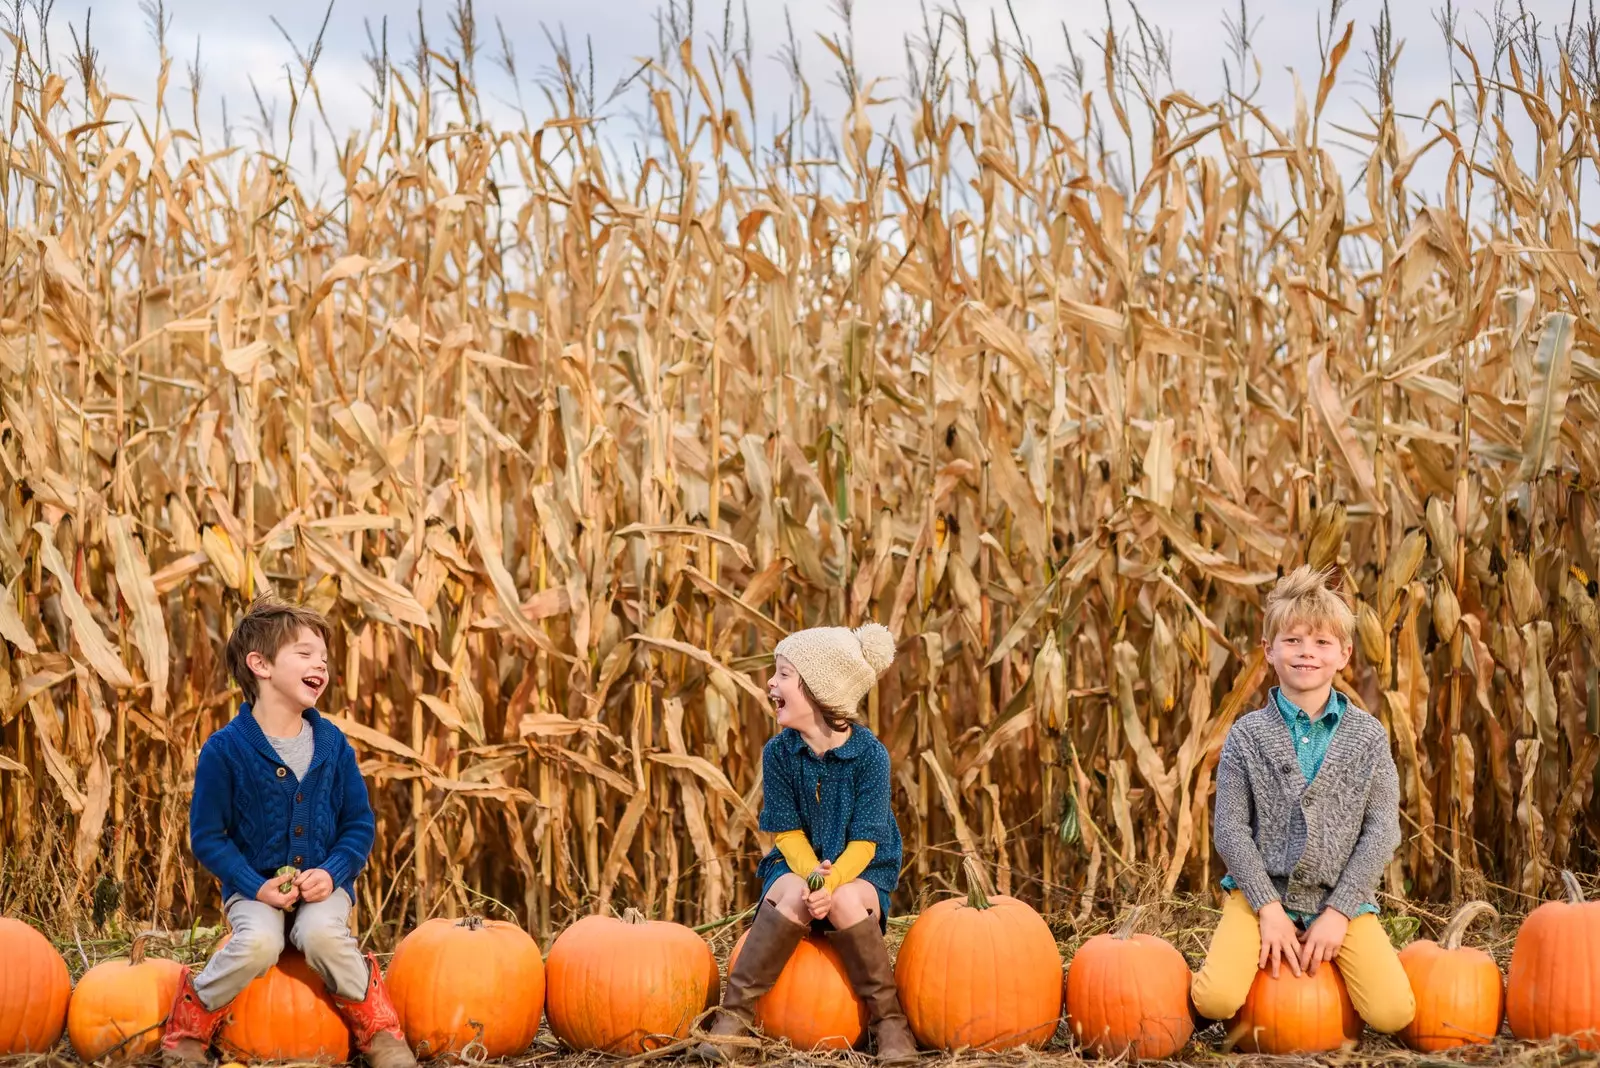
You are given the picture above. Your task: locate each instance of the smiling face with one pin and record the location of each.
(1306, 658)
(297, 674)
(790, 703)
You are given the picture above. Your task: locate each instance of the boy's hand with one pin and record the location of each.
(1279, 939)
(1323, 939)
(269, 894)
(314, 885)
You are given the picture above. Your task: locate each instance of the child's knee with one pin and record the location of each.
(327, 943)
(1391, 1011)
(259, 948)
(1218, 995)
(788, 896)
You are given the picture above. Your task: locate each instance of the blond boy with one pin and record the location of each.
(1307, 816)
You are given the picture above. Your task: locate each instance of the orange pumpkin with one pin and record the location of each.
(1129, 993)
(1553, 987)
(812, 1004)
(119, 1006)
(1460, 996)
(981, 973)
(285, 1015)
(626, 986)
(34, 989)
(454, 981)
(1295, 1014)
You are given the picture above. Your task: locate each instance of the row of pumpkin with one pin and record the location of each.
(980, 973)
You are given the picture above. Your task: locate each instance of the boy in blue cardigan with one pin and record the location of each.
(279, 787)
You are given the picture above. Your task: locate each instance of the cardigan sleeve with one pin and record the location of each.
(1380, 835)
(1231, 827)
(210, 814)
(355, 827)
(778, 810)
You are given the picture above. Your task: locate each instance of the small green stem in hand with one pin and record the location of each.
(288, 872)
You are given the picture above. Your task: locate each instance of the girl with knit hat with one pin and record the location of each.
(825, 796)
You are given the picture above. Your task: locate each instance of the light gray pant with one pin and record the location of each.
(321, 931)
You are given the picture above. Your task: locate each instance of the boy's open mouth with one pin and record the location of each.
(314, 684)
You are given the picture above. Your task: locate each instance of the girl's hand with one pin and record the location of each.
(819, 903)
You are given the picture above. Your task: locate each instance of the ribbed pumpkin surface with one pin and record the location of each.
(119, 1006)
(1553, 987)
(34, 989)
(980, 973)
(1290, 1014)
(453, 980)
(627, 985)
(1129, 993)
(1460, 995)
(285, 1015)
(812, 1004)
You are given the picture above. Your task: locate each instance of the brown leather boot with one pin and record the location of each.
(186, 1039)
(866, 961)
(374, 1024)
(767, 948)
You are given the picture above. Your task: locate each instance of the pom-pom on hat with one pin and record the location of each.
(837, 664)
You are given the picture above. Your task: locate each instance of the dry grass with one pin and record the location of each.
(562, 444)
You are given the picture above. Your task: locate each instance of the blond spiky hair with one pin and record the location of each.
(1304, 596)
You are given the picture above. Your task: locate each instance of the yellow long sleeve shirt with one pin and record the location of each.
(802, 859)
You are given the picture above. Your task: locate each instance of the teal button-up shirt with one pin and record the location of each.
(1311, 738)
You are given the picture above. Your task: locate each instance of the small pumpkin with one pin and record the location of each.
(1553, 987)
(285, 1015)
(628, 985)
(980, 973)
(1129, 993)
(34, 990)
(812, 1004)
(1295, 1014)
(454, 981)
(1460, 995)
(119, 1006)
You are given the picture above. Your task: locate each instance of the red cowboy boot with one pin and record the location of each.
(375, 1025)
(186, 1039)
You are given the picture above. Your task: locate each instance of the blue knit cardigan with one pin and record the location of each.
(250, 815)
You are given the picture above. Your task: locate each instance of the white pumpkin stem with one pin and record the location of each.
(631, 915)
(1451, 940)
(1574, 891)
(1126, 931)
(472, 922)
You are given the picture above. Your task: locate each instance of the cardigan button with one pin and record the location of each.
(299, 832)
(299, 798)
(299, 860)
(282, 772)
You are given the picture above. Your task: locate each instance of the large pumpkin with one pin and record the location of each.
(1554, 984)
(1460, 996)
(285, 1015)
(34, 988)
(1129, 993)
(456, 981)
(1295, 1014)
(980, 973)
(629, 985)
(119, 1006)
(812, 1004)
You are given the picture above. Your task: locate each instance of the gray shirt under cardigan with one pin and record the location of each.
(1316, 845)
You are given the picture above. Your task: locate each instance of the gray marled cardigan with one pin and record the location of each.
(1312, 846)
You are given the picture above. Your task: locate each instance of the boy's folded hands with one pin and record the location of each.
(314, 885)
(1280, 939)
(271, 893)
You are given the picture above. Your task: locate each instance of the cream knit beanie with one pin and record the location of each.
(837, 664)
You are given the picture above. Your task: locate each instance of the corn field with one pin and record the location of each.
(1037, 375)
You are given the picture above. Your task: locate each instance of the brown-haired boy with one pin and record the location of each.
(278, 786)
(1307, 816)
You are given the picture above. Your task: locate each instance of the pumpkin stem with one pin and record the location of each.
(1463, 919)
(472, 922)
(1574, 891)
(136, 950)
(977, 897)
(632, 915)
(1125, 932)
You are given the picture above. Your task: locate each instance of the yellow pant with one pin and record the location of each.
(1371, 968)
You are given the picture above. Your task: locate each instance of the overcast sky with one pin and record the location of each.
(238, 42)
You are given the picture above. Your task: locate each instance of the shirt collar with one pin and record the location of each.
(853, 747)
(1337, 703)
